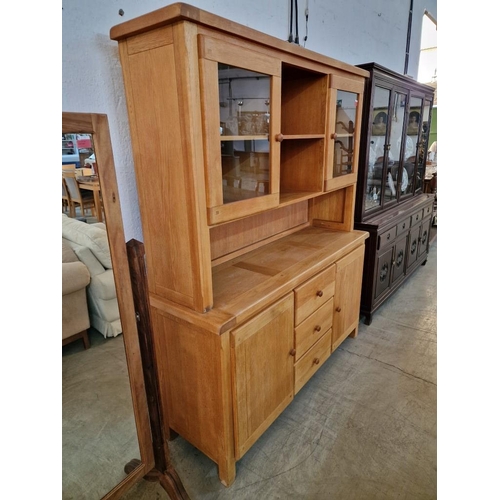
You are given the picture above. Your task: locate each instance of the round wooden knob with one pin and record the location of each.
(319, 293)
(292, 352)
(317, 328)
(279, 137)
(334, 136)
(316, 361)
(338, 309)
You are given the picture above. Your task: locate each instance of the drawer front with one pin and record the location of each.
(387, 237)
(314, 293)
(310, 363)
(427, 211)
(416, 217)
(404, 226)
(312, 328)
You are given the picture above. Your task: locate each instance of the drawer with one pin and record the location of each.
(387, 237)
(312, 328)
(416, 217)
(427, 211)
(404, 226)
(312, 360)
(314, 293)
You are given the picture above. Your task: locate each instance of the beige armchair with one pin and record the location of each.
(75, 314)
(90, 244)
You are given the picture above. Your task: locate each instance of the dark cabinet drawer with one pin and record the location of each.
(387, 237)
(427, 211)
(416, 217)
(403, 226)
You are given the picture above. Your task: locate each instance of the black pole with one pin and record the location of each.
(296, 22)
(290, 35)
(408, 37)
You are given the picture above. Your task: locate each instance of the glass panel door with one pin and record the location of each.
(394, 177)
(423, 145)
(378, 146)
(345, 124)
(244, 99)
(412, 141)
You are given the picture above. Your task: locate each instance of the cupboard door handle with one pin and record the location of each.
(334, 136)
(316, 361)
(389, 236)
(279, 137)
(404, 225)
(292, 352)
(317, 329)
(338, 309)
(319, 293)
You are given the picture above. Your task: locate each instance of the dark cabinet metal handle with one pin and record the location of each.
(384, 271)
(389, 236)
(399, 259)
(413, 246)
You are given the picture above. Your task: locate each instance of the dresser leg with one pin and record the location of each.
(227, 472)
(368, 319)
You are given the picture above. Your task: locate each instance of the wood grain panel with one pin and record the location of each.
(263, 371)
(228, 238)
(312, 361)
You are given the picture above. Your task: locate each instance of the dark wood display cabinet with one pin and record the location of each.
(390, 202)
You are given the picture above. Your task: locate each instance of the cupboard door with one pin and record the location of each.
(413, 245)
(345, 107)
(382, 277)
(424, 237)
(241, 117)
(347, 299)
(399, 259)
(262, 363)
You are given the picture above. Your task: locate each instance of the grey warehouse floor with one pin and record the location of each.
(364, 427)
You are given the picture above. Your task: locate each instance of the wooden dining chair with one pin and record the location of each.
(83, 199)
(67, 206)
(83, 171)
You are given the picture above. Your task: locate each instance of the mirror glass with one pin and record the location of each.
(99, 434)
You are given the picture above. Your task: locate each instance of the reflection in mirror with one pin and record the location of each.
(99, 434)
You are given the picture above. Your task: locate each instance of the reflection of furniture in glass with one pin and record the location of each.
(75, 314)
(248, 230)
(78, 199)
(390, 203)
(149, 461)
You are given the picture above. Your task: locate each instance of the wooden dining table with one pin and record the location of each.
(91, 183)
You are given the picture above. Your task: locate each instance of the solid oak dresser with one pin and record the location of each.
(245, 151)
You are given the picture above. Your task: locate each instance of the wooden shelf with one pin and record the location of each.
(260, 137)
(303, 136)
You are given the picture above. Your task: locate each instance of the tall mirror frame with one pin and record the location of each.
(97, 125)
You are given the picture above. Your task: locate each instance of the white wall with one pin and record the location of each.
(355, 31)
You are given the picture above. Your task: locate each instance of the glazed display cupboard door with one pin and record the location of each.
(240, 92)
(262, 361)
(345, 105)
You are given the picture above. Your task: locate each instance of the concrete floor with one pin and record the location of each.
(364, 427)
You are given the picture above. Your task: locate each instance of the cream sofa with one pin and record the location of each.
(75, 313)
(90, 244)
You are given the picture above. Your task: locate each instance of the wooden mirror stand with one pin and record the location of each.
(154, 463)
